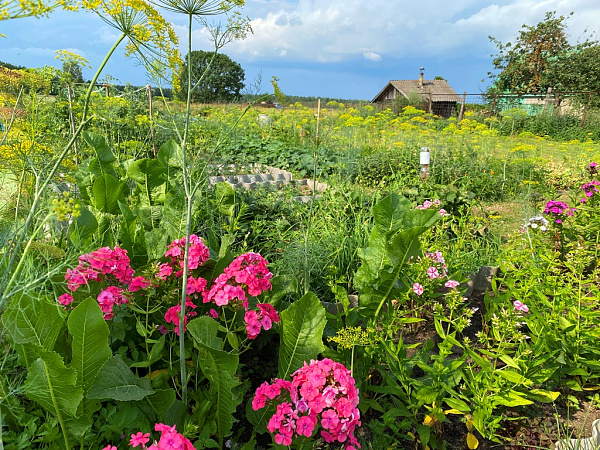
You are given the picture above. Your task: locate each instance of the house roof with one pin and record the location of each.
(440, 90)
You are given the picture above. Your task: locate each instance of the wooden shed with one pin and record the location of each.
(438, 97)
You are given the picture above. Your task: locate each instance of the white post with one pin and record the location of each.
(425, 160)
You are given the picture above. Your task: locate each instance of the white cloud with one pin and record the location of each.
(339, 30)
(372, 56)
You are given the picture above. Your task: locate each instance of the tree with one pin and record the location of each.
(215, 77)
(73, 72)
(534, 62)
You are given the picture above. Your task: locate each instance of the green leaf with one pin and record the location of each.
(510, 399)
(100, 146)
(83, 226)
(107, 191)
(220, 367)
(302, 326)
(53, 385)
(225, 199)
(204, 331)
(514, 377)
(157, 404)
(457, 404)
(170, 154)
(34, 323)
(90, 346)
(427, 394)
(116, 381)
(150, 175)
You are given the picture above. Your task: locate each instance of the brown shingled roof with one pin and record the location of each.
(440, 90)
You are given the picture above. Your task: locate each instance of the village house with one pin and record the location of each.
(438, 97)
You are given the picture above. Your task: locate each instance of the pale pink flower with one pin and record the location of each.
(520, 306)
(417, 289)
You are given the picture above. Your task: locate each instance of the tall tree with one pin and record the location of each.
(215, 77)
(533, 63)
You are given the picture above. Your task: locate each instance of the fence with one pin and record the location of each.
(450, 105)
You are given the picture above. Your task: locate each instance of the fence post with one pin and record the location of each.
(585, 111)
(462, 107)
(430, 105)
(493, 105)
(547, 101)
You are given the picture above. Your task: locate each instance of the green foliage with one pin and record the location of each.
(215, 77)
(542, 57)
(302, 327)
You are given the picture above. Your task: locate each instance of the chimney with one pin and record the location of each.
(421, 78)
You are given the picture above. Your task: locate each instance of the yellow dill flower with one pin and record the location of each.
(350, 336)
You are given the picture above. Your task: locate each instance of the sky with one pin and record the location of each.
(346, 49)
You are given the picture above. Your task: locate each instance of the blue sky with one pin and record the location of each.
(330, 48)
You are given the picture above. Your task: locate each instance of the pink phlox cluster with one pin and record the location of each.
(592, 168)
(65, 299)
(169, 439)
(139, 283)
(589, 189)
(195, 286)
(428, 204)
(247, 271)
(110, 297)
(558, 210)
(257, 320)
(104, 261)
(172, 314)
(198, 253)
(320, 390)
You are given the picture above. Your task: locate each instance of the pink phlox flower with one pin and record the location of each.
(172, 315)
(138, 283)
(110, 447)
(433, 273)
(213, 313)
(65, 299)
(417, 289)
(305, 426)
(139, 439)
(452, 284)
(110, 297)
(520, 306)
(164, 271)
(329, 419)
(443, 212)
(197, 256)
(195, 286)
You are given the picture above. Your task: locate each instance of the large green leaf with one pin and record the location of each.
(100, 146)
(84, 226)
(117, 382)
(107, 192)
(220, 367)
(302, 326)
(150, 175)
(90, 347)
(204, 331)
(34, 322)
(170, 154)
(53, 385)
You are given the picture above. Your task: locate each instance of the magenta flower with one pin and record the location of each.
(65, 299)
(110, 447)
(558, 210)
(139, 439)
(520, 306)
(320, 390)
(417, 289)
